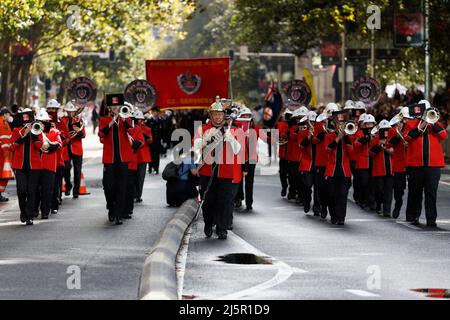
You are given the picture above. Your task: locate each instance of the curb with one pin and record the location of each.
(158, 279)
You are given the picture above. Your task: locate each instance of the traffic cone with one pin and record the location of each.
(63, 188)
(83, 189)
(7, 172)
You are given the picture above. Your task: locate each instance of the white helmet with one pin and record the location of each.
(405, 112)
(70, 107)
(384, 124)
(360, 105)
(330, 108)
(312, 116)
(300, 112)
(369, 119)
(287, 111)
(245, 110)
(52, 103)
(42, 115)
(349, 104)
(362, 117)
(426, 103)
(137, 114)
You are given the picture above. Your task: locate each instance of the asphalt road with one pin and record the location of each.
(34, 260)
(371, 257)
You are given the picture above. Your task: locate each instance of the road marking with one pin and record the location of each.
(446, 183)
(408, 224)
(298, 270)
(362, 293)
(284, 272)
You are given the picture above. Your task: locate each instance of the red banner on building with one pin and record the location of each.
(188, 83)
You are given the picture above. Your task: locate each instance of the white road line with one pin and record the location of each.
(284, 272)
(362, 293)
(408, 224)
(446, 183)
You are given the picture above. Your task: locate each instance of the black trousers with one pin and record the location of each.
(284, 171)
(131, 191)
(364, 194)
(140, 180)
(383, 191)
(306, 184)
(399, 188)
(249, 181)
(294, 178)
(57, 187)
(46, 187)
(337, 201)
(155, 153)
(355, 182)
(321, 185)
(115, 185)
(422, 180)
(27, 182)
(218, 203)
(77, 162)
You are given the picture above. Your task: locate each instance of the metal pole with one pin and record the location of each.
(427, 51)
(344, 76)
(372, 55)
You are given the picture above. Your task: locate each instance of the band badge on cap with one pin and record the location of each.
(366, 89)
(416, 110)
(141, 93)
(82, 90)
(298, 92)
(115, 99)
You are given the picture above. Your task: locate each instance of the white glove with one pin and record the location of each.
(235, 145)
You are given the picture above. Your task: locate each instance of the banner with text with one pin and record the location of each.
(188, 83)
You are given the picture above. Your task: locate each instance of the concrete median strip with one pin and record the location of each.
(158, 279)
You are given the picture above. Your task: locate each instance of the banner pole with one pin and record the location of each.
(229, 79)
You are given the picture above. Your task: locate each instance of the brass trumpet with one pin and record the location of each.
(430, 116)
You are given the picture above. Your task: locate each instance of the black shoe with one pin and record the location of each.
(127, 217)
(290, 196)
(75, 196)
(307, 207)
(54, 211)
(22, 218)
(110, 216)
(324, 213)
(156, 172)
(238, 204)
(36, 214)
(386, 215)
(138, 200)
(415, 222)
(29, 222)
(333, 221)
(222, 235)
(396, 213)
(67, 192)
(3, 199)
(44, 217)
(378, 210)
(316, 210)
(118, 221)
(208, 231)
(431, 224)
(249, 208)
(340, 222)
(283, 193)
(230, 228)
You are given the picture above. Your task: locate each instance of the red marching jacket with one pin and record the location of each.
(382, 160)
(338, 163)
(144, 152)
(354, 155)
(225, 166)
(136, 145)
(321, 148)
(19, 144)
(283, 128)
(362, 144)
(76, 143)
(252, 134)
(307, 151)
(399, 157)
(293, 148)
(424, 149)
(50, 159)
(106, 134)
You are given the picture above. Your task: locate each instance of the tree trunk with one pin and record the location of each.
(23, 84)
(5, 65)
(62, 87)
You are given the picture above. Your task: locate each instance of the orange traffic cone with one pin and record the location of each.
(63, 188)
(7, 172)
(83, 189)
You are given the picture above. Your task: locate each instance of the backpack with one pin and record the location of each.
(171, 172)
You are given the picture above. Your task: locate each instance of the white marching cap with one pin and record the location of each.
(369, 119)
(384, 124)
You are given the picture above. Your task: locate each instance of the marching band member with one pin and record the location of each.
(144, 156)
(49, 156)
(283, 128)
(75, 127)
(355, 156)
(338, 171)
(216, 174)
(358, 109)
(424, 160)
(306, 167)
(399, 144)
(27, 164)
(364, 163)
(382, 169)
(114, 131)
(5, 155)
(53, 108)
(320, 130)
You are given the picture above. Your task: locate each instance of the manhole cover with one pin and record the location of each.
(434, 292)
(244, 258)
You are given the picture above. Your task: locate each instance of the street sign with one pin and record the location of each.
(408, 30)
(387, 54)
(357, 56)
